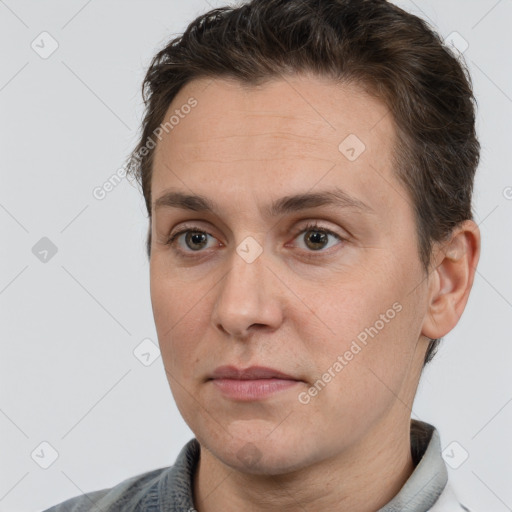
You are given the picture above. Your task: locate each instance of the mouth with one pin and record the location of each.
(253, 383)
(251, 373)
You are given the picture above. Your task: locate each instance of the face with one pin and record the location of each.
(327, 289)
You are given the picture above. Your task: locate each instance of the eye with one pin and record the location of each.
(316, 238)
(195, 239)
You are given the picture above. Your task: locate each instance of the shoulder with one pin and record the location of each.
(448, 502)
(133, 491)
(159, 489)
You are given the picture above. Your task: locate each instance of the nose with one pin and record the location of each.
(247, 298)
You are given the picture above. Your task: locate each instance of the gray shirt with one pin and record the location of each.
(169, 489)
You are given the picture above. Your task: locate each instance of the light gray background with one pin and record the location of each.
(69, 376)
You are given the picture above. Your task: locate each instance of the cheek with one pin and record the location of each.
(368, 337)
(356, 383)
(177, 316)
(178, 311)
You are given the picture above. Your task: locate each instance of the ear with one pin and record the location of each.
(451, 279)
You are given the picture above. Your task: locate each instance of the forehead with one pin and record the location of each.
(284, 135)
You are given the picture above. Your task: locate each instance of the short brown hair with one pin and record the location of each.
(389, 52)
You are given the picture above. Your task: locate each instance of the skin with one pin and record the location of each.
(296, 308)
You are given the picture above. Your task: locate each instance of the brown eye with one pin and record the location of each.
(196, 240)
(316, 239)
(190, 240)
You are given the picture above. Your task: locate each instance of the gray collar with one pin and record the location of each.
(418, 494)
(429, 477)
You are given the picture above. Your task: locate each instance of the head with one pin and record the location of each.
(280, 98)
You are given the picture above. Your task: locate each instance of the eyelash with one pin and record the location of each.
(312, 226)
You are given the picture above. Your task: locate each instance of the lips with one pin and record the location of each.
(252, 384)
(251, 373)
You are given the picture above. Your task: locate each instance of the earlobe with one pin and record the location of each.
(451, 280)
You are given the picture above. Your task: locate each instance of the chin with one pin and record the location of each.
(263, 455)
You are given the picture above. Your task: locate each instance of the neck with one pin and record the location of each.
(361, 479)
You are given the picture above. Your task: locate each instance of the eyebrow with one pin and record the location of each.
(289, 204)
